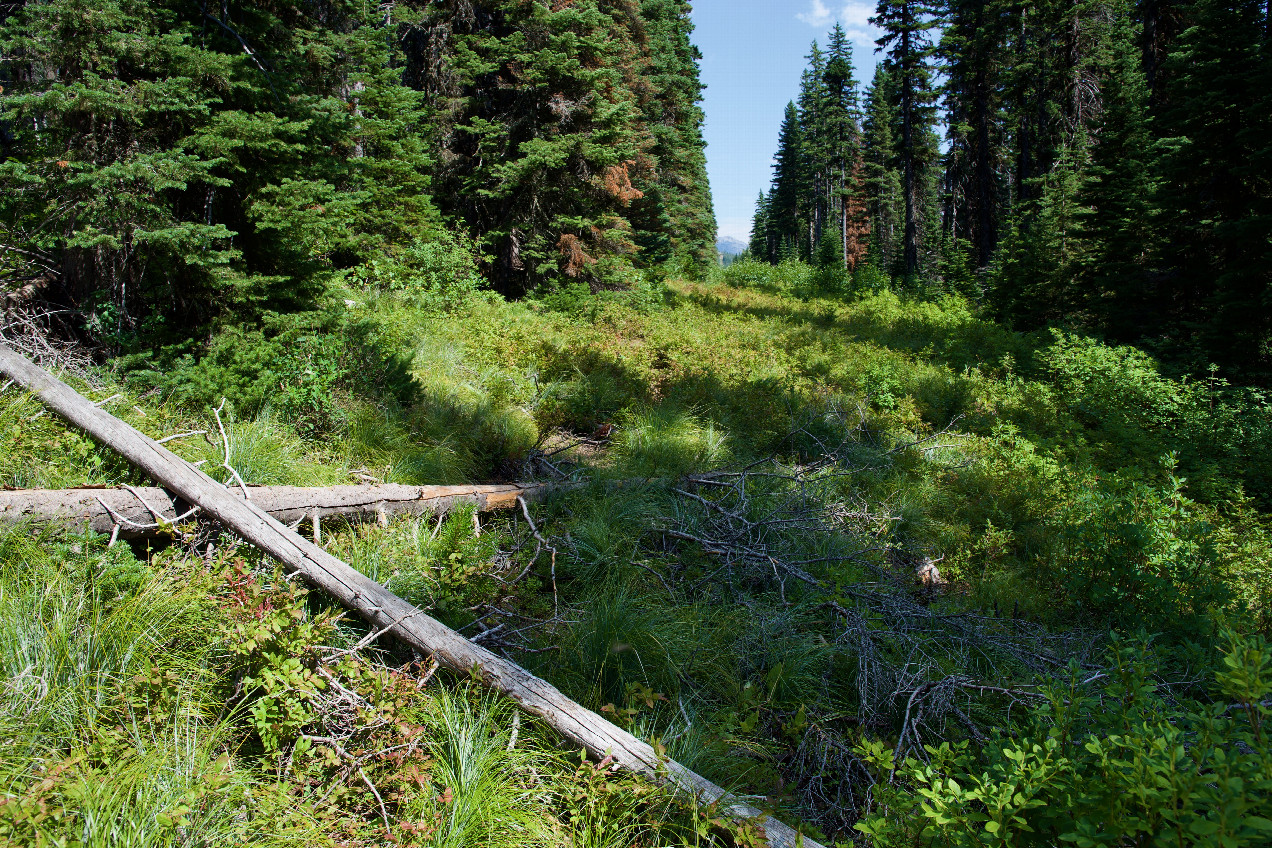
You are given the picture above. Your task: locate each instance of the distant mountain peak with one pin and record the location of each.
(730, 246)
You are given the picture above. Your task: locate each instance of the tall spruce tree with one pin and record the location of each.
(543, 140)
(880, 176)
(816, 152)
(790, 187)
(758, 246)
(1212, 126)
(174, 163)
(842, 129)
(974, 53)
(674, 219)
(1116, 281)
(906, 25)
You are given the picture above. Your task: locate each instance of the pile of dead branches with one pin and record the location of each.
(46, 337)
(927, 669)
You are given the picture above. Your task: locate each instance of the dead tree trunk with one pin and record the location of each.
(379, 607)
(137, 513)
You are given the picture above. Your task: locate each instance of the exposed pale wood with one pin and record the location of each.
(373, 602)
(103, 508)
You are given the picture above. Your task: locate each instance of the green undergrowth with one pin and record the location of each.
(175, 700)
(759, 477)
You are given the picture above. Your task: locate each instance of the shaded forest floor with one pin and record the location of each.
(808, 524)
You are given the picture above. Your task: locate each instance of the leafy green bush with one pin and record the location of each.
(304, 366)
(1221, 434)
(435, 272)
(1138, 556)
(789, 277)
(1128, 765)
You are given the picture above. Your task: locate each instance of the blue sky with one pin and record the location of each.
(753, 52)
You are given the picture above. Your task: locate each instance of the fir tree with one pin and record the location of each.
(1117, 193)
(180, 164)
(544, 143)
(1213, 126)
(906, 25)
(674, 219)
(816, 152)
(843, 130)
(880, 177)
(974, 54)
(758, 247)
(790, 185)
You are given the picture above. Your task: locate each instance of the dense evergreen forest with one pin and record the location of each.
(169, 163)
(941, 517)
(1102, 165)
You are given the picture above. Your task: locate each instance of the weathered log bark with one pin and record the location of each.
(136, 512)
(381, 608)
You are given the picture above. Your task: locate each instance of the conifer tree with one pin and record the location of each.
(1117, 191)
(1161, 23)
(174, 164)
(1035, 272)
(544, 141)
(1212, 127)
(758, 247)
(790, 186)
(880, 177)
(817, 153)
(674, 218)
(973, 51)
(906, 25)
(843, 130)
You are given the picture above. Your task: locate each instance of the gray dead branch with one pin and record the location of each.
(796, 545)
(379, 607)
(35, 332)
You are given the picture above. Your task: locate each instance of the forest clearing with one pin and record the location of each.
(388, 458)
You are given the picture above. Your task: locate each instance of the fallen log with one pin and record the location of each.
(382, 609)
(139, 513)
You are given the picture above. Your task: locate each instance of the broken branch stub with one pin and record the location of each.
(381, 608)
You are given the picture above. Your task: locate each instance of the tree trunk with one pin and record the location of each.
(379, 607)
(907, 150)
(131, 513)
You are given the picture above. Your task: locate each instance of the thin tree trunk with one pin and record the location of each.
(843, 210)
(986, 237)
(379, 607)
(907, 151)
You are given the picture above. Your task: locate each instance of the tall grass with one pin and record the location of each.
(496, 793)
(80, 624)
(78, 620)
(264, 452)
(665, 441)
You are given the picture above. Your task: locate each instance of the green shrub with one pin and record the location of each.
(788, 277)
(1128, 764)
(303, 366)
(1139, 556)
(434, 273)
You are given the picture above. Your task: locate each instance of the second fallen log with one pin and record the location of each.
(137, 511)
(381, 608)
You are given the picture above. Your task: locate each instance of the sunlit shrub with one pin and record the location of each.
(1116, 763)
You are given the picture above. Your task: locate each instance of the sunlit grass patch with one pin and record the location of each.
(665, 441)
(263, 451)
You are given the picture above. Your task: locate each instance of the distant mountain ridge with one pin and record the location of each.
(730, 246)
